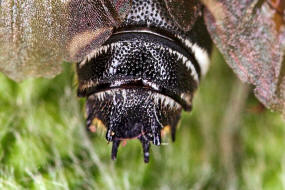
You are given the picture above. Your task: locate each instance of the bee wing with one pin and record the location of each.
(36, 36)
(184, 12)
(251, 36)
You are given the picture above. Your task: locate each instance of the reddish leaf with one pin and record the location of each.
(252, 41)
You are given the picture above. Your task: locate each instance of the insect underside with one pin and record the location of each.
(142, 77)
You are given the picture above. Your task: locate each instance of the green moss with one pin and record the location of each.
(44, 144)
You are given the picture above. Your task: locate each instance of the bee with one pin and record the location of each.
(139, 62)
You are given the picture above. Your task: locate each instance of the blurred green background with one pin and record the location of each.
(229, 141)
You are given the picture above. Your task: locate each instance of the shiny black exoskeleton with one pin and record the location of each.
(142, 77)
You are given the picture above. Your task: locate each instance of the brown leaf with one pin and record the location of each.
(184, 12)
(37, 35)
(90, 24)
(253, 45)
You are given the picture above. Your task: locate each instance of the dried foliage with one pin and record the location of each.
(251, 36)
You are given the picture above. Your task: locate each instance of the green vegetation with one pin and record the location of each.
(228, 142)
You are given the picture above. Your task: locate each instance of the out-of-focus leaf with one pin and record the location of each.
(36, 36)
(251, 36)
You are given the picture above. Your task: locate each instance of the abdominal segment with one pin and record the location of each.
(133, 113)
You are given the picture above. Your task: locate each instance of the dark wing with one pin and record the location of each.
(36, 36)
(184, 12)
(251, 36)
